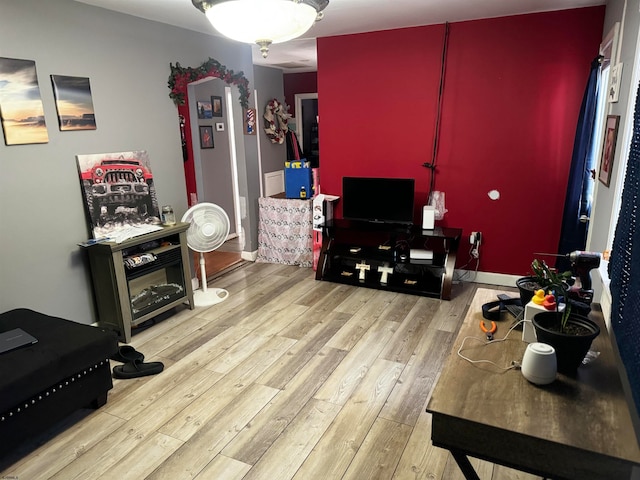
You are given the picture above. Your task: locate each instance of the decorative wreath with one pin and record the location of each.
(276, 118)
(181, 76)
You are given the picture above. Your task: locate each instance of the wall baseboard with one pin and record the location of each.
(250, 256)
(499, 279)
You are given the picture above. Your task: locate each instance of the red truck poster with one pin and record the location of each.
(118, 191)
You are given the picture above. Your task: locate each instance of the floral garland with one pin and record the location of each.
(276, 118)
(181, 76)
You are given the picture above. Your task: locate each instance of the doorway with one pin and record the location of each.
(215, 168)
(307, 121)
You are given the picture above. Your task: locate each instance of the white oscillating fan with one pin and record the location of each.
(208, 230)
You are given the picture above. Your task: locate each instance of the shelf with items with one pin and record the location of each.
(379, 256)
(140, 278)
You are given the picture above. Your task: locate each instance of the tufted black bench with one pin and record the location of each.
(40, 384)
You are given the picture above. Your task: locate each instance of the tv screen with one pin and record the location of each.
(385, 200)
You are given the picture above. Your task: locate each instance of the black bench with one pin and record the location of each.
(40, 384)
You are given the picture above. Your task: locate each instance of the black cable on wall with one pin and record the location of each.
(436, 136)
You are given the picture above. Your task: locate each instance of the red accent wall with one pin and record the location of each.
(298, 83)
(512, 96)
(189, 165)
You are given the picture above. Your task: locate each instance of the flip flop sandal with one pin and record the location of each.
(137, 369)
(127, 353)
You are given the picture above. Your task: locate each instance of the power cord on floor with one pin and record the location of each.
(515, 364)
(472, 258)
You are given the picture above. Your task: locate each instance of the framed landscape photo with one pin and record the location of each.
(204, 109)
(216, 106)
(21, 108)
(608, 148)
(73, 102)
(206, 137)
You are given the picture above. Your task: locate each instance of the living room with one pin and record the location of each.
(463, 181)
(512, 96)
(473, 158)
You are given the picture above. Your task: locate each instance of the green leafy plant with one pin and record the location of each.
(556, 284)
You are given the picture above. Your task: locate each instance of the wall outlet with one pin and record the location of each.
(475, 238)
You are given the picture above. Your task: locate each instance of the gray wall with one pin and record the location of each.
(127, 60)
(213, 165)
(605, 197)
(271, 86)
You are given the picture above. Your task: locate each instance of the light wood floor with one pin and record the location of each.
(289, 378)
(221, 260)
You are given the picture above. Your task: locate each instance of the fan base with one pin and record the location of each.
(210, 297)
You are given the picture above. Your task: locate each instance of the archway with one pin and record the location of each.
(179, 79)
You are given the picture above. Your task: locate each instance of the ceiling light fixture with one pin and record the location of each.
(262, 21)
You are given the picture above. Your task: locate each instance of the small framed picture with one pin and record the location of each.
(219, 127)
(216, 105)
(249, 121)
(204, 109)
(73, 102)
(608, 148)
(206, 137)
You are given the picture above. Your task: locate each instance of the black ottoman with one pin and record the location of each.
(40, 384)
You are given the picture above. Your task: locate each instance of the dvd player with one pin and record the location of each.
(419, 254)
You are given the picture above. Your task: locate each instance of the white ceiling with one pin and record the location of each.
(343, 17)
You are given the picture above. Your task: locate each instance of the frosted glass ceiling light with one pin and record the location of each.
(262, 21)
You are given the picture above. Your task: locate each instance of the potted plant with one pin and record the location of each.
(527, 287)
(569, 333)
(542, 276)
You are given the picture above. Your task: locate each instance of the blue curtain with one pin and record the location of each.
(624, 267)
(573, 235)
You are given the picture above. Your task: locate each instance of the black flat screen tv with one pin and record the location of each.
(382, 200)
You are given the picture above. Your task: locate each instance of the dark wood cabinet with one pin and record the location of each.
(360, 253)
(130, 288)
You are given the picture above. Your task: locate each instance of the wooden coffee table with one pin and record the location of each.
(575, 428)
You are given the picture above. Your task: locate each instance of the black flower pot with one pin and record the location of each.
(527, 287)
(570, 348)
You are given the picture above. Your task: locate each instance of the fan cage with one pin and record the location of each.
(209, 227)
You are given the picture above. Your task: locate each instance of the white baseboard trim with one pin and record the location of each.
(250, 256)
(500, 279)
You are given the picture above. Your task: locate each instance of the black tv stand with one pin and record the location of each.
(377, 255)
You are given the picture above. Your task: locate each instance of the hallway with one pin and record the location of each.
(224, 259)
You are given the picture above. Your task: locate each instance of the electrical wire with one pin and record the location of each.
(463, 277)
(436, 136)
(514, 363)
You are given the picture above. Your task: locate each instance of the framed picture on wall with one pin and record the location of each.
(608, 148)
(21, 107)
(73, 102)
(204, 109)
(216, 106)
(206, 137)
